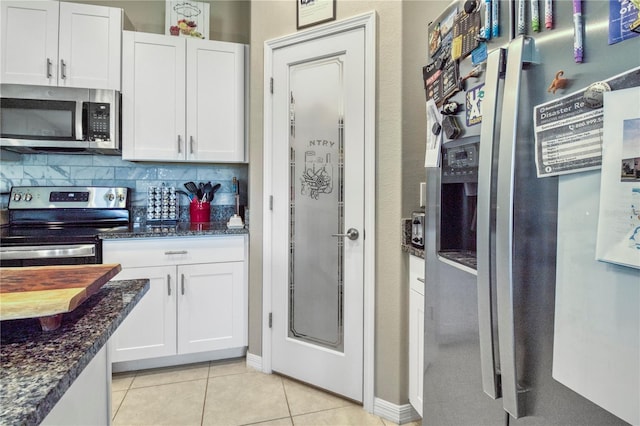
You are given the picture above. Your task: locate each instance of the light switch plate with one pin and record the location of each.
(423, 194)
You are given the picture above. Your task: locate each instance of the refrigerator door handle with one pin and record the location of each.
(519, 51)
(485, 224)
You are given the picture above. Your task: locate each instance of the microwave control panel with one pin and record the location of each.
(97, 117)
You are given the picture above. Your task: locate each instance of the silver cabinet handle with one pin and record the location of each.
(49, 68)
(351, 234)
(63, 69)
(191, 144)
(182, 284)
(486, 225)
(179, 144)
(169, 253)
(168, 285)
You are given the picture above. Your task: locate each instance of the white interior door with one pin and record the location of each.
(318, 212)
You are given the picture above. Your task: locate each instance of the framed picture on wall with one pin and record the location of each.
(313, 12)
(187, 18)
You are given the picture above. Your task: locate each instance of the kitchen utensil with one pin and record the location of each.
(189, 196)
(213, 190)
(207, 190)
(191, 187)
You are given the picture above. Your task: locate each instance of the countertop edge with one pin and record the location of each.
(181, 230)
(53, 397)
(42, 408)
(408, 248)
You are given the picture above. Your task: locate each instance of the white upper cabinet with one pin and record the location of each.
(182, 99)
(153, 97)
(215, 100)
(89, 46)
(50, 43)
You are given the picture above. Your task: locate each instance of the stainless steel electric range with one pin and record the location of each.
(60, 225)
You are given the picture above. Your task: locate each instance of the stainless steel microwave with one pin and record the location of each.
(59, 119)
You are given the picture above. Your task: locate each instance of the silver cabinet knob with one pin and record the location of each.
(351, 234)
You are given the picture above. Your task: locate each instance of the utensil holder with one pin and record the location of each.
(200, 211)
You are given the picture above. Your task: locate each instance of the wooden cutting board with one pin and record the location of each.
(46, 292)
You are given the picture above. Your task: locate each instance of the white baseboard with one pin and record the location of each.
(398, 414)
(254, 361)
(173, 360)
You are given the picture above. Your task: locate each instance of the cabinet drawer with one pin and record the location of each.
(165, 251)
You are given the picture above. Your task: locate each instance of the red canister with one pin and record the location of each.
(200, 211)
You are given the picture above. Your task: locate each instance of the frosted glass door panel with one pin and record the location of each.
(316, 203)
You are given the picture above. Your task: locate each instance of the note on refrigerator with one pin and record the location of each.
(618, 239)
(434, 135)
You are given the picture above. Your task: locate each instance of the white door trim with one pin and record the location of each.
(366, 21)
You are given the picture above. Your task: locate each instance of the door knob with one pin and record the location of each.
(351, 234)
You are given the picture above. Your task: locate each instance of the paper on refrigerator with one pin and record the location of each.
(434, 139)
(618, 239)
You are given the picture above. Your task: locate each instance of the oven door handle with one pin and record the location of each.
(47, 252)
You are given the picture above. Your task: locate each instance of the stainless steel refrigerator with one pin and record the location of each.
(493, 231)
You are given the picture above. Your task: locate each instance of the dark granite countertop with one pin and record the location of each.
(37, 367)
(408, 248)
(179, 229)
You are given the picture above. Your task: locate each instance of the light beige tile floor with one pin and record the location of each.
(227, 393)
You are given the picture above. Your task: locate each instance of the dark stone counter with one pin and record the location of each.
(37, 367)
(179, 229)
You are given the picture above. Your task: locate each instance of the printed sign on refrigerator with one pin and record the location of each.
(568, 131)
(619, 217)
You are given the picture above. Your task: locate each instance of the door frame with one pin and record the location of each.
(366, 21)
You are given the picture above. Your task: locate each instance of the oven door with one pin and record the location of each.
(52, 254)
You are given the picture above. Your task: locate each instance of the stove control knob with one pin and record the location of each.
(28, 197)
(17, 196)
(121, 197)
(110, 196)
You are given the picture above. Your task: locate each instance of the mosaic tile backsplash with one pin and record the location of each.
(103, 170)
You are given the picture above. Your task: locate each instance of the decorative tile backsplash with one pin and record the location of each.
(102, 170)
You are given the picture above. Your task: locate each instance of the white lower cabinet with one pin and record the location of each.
(416, 331)
(88, 399)
(197, 301)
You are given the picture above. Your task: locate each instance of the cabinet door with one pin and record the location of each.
(215, 101)
(212, 307)
(416, 349)
(29, 42)
(150, 329)
(153, 97)
(89, 46)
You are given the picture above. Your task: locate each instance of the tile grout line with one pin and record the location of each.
(286, 398)
(206, 389)
(126, 391)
